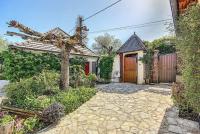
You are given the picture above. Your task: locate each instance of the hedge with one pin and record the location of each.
(188, 45)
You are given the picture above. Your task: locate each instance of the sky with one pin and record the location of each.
(44, 15)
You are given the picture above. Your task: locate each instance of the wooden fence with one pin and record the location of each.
(165, 68)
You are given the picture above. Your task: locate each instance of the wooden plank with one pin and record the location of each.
(167, 68)
(130, 69)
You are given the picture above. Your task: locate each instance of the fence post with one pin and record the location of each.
(155, 66)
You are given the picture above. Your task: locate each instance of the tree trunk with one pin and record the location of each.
(64, 78)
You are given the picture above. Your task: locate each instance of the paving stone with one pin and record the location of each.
(121, 108)
(175, 129)
(172, 121)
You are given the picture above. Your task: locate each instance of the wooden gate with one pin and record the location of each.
(167, 68)
(130, 69)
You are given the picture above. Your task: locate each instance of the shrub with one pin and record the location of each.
(90, 80)
(53, 113)
(30, 124)
(106, 65)
(76, 75)
(80, 61)
(73, 98)
(188, 46)
(178, 95)
(24, 94)
(86, 93)
(20, 64)
(6, 119)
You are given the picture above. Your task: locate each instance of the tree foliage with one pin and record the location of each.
(188, 45)
(106, 44)
(165, 45)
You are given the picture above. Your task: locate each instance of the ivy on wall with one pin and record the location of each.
(105, 65)
(20, 64)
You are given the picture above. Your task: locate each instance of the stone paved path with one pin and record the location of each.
(112, 113)
(120, 109)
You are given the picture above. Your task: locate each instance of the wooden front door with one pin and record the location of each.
(87, 68)
(130, 69)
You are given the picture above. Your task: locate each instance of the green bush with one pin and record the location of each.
(178, 96)
(80, 61)
(6, 119)
(24, 94)
(30, 124)
(188, 46)
(20, 64)
(106, 65)
(73, 98)
(78, 77)
(90, 80)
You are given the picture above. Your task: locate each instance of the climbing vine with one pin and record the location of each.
(105, 65)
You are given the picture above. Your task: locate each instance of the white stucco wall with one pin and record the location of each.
(116, 69)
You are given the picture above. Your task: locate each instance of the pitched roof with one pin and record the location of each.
(58, 31)
(36, 46)
(134, 43)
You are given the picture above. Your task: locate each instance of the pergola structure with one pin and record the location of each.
(61, 41)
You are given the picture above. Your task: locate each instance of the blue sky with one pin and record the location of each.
(43, 15)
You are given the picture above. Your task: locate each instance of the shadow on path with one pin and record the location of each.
(127, 88)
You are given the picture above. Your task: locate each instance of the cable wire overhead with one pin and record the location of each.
(131, 26)
(102, 10)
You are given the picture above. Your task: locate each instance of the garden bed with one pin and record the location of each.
(36, 102)
(70, 100)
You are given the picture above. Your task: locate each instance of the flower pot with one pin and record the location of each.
(7, 129)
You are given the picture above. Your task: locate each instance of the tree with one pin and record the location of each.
(106, 44)
(65, 43)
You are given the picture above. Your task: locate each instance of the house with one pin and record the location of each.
(83, 51)
(127, 66)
